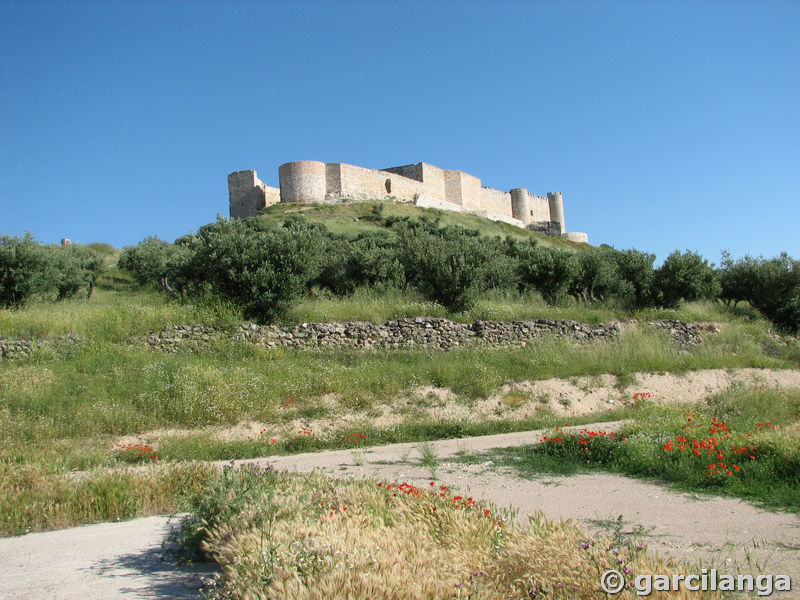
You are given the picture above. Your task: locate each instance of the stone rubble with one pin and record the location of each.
(687, 334)
(11, 349)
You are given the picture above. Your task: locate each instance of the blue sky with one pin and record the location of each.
(665, 124)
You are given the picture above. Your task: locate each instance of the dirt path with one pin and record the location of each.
(724, 533)
(108, 561)
(124, 560)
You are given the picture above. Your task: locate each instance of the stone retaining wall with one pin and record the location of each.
(11, 349)
(429, 333)
(688, 334)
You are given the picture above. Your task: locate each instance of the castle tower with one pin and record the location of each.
(557, 210)
(520, 207)
(302, 181)
(245, 194)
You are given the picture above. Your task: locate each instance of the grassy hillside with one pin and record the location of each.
(76, 407)
(105, 427)
(358, 217)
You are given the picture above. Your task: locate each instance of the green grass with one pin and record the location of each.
(201, 447)
(763, 424)
(377, 306)
(65, 410)
(341, 219)
(114, 390)
(111, 316)
(33, 498)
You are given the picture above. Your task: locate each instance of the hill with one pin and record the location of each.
(361, 217)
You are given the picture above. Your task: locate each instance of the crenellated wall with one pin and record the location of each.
(422, 184)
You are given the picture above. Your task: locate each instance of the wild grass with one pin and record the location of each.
(428, 457)
(111, 316)
(744, 442)
(294, 536)
(33, 497)
(114, 390)
(358, 217)
(367, 304)
(66, 410)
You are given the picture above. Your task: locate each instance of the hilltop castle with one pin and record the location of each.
(421, 184)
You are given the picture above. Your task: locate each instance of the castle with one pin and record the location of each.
(421, 184)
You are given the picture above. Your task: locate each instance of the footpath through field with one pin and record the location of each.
(124, 560)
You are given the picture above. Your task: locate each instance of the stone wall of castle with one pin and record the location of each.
(422, 184)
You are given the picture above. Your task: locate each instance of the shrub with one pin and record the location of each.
(598, 275)
(148, 261)
(28, 269)
(75, 268)
(261, 267)
(549, 270)
(736, 278)
(684, 277)
(636, 277)
(450, 265)
(775, 289)
(23, 270)
(371, 259)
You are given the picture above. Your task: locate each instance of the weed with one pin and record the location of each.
(429, 457)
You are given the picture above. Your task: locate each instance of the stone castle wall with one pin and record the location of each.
(422, 184)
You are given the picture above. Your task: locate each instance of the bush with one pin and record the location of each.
(550, 271)
(450, 265)
(598, 275)
(684, 277)
(261, 267)
(371, 259)
(148, 260)
(23, 270)
(28, 269)
(736, 279)
(635, 270)
(75, 268)
(775, 289)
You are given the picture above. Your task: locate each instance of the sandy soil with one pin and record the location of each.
(575, 396)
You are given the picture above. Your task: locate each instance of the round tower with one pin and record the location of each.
(302, 181)
(520, 207)
(557, 210)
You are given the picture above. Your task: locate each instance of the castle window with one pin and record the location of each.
(388, 186)
(531, 213)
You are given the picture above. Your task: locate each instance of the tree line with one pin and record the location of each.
(265, 268)
(29, 269)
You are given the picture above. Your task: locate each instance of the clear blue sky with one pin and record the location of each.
(665, 124)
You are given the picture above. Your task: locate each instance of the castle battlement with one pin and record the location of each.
(421, 184)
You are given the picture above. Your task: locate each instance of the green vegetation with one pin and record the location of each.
(29, 270)
(267, 267)
(742, 442)
(106, 404)
(36, 497)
